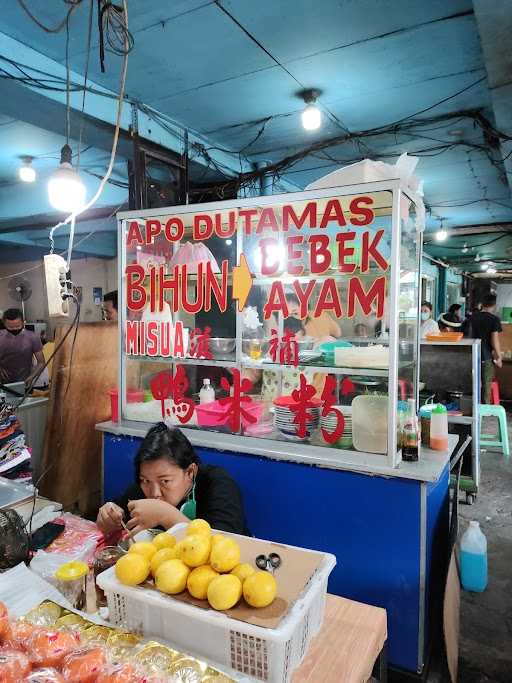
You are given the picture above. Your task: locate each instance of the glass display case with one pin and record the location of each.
(288, 319)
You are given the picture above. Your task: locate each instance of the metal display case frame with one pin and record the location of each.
(409, 229)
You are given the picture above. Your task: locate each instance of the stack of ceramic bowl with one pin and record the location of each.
(284, 418)
(330, 422)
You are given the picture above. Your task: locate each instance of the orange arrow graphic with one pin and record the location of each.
(242, 282)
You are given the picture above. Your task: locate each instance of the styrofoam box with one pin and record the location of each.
(269, 655)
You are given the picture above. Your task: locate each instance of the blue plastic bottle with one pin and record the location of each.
(473, 559)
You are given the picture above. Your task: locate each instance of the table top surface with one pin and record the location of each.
(347, 645)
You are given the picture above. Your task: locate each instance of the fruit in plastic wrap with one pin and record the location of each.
(48, 647)
(225, 555)
(14, 665)
(171, 577)
(84, 666)
(47, 675)
(4, 621)
(132, 569)
(143, 548)
(198, 581)
(224, 592)
(195, 550)
(46, 614)
(260, 589)
(18, 634)
(243, 571)
(162, 556)
(119, 673)
(164, 540)
(198, 526)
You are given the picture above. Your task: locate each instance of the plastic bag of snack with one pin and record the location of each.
(119, 673)
(18, 634)
(4, 622)
(14, 665)
(46, 675)
(84, 666)
(49, 647)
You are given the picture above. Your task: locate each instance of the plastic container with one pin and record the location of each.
(207, 393)
(473, 559)
(216, 414)
(264, 654)
(370, 423)
(132, 396)
(439, 429)
(72, 578)
(425, 420)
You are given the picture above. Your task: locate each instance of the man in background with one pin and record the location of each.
(17, 348)
(486, 326)
(110, 306)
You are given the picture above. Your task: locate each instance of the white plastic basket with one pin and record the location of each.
(269, 655)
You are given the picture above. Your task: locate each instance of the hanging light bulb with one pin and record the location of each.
(441, 234)
(311, 116)
(66, 191)
(465, 248)
(26, 172)
(477, 258)
(484, 266)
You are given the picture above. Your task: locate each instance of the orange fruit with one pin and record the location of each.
(45, 676)
(14, 665)
(83, 666)
(48, 647)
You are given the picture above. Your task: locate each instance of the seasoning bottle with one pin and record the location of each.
(411, 438)
(439, 429)
(207, 393)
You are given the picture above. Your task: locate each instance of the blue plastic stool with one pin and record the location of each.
(487, 410)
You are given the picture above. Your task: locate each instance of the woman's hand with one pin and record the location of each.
(149, 513)
(109, 518)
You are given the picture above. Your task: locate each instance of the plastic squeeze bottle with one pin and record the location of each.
(473, 559)
(439, 429)
(207, 393)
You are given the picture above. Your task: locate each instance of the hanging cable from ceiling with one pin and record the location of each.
(113, 30)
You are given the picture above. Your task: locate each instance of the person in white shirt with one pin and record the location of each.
(428, 325)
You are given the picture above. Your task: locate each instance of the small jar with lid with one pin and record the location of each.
(72, 578)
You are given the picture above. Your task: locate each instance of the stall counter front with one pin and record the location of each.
(387, 528)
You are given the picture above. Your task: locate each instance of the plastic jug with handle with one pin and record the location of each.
(473, 559)
(439, 429)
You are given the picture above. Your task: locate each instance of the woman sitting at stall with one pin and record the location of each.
(172, 486)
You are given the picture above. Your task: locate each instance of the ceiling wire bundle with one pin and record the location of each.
(113, 30)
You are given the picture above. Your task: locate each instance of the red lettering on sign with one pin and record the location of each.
(135, 293)
(333, 212)
(290, 218)
(295, 254)
(366, 215)
(267, 221)
(328, 299)
(203, 226)
(376, 292)
(174, 229)
(131, 345)
(303, 296)
(228, 230)
(268, 245)
(218, 289)
(370, 250)
(169, 283)
(134, 235)
(320, 256)
(197, 305)
(247, 215)
(179, 345)
(344, 252)
(153, 228)
(152, 338)
(276, 301)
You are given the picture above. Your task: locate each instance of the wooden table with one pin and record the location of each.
(352, 638)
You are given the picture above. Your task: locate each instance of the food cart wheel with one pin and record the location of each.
(470, 498)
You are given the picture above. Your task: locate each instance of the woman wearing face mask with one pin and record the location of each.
(169, 477)
(428, 326)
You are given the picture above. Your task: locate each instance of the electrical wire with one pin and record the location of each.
(73, 4)
(86, 74)
(108, 173)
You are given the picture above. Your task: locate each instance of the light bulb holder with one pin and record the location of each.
(309, 95)
(66, 154)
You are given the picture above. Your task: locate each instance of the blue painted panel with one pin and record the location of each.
(344, 513)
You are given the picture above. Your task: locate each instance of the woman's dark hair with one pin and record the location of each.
(170, 444)
(427, 304)
(454, 308)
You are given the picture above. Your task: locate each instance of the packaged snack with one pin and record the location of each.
(47, 675)
(14, 665)
(49, 647)
(4, 621)
(84, 666)
(18, 634)
(120, 673)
